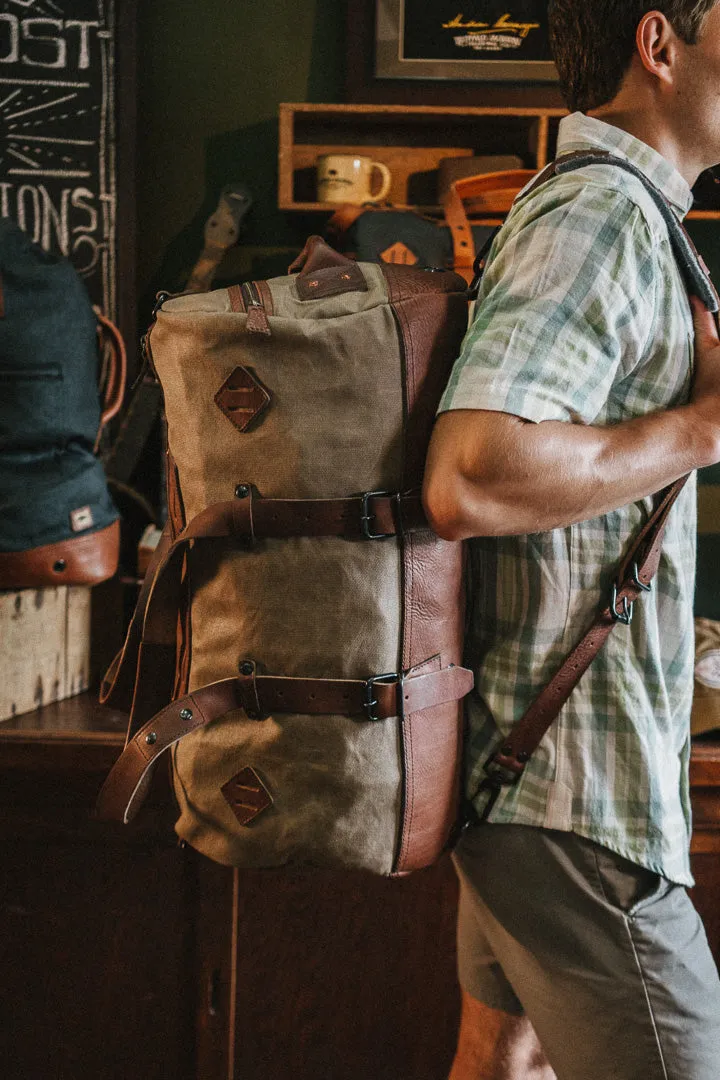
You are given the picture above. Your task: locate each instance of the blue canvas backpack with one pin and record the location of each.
(58, 524)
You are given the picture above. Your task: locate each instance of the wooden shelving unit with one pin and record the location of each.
(411, 140)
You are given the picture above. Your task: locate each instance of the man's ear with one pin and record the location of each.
(657, 45)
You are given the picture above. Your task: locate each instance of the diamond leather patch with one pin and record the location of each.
(242, 398)
(246, 795)
(399, 253)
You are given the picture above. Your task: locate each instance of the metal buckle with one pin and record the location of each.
(638, 582)
(371, 701)
(626, 615)
(367, 516)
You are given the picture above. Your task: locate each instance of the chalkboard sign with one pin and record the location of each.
(475, 39)
(58, 119)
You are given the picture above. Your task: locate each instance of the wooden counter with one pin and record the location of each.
(125, 955)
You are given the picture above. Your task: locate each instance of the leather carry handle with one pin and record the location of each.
(116, 379)
(493, 194)
(317, 255)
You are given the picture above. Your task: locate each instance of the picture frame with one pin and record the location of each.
(476, 41)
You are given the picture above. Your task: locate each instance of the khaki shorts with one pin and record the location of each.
(609, 961)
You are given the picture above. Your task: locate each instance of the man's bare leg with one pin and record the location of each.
(494, 1045)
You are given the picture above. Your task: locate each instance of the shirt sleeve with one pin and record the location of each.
(566, 307)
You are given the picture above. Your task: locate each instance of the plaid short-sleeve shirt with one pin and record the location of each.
(583, 317)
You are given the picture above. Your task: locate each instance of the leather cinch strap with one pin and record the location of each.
(142, 677)
(371, 700)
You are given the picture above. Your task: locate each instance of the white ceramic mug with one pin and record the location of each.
(348, 178)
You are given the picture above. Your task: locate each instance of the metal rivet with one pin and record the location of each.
(59, 566)
(242, 491)
(252, 715)
(507, 750)
(247, 667)
(186, 714)
(313, 284)
(151, 738)
(523, 757)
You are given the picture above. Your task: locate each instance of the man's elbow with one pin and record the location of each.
(444, 508)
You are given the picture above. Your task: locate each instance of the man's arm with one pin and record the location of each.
(493, 474)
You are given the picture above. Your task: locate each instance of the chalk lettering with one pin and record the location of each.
(59, 44)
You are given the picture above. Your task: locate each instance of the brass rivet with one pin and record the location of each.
(186, 714)
(313, 284)
(151, 738)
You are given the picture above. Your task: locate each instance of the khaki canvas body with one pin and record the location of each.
(353, 379)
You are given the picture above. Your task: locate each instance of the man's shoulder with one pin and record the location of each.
(574, 200)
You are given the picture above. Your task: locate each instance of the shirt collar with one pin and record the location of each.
(579, 132)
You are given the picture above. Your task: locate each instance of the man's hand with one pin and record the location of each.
(706, 384)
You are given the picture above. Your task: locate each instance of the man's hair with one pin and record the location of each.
(593, 42)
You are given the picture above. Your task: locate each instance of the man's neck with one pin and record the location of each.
(645, 127)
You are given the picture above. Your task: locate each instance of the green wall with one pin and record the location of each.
(210, 79)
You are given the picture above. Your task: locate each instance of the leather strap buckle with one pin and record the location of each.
(624, 616)
(367, 517)
(636, 580)
(370, 703)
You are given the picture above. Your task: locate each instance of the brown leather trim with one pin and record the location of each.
(176, 517)
(83, 560)
(432, 323)
(242, 398)
(123, 791)
(404, 282)
(235, 297)
(266, 296)
(317, 255)
(330, 281)
(255, 518)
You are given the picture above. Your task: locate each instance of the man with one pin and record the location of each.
(573, 401)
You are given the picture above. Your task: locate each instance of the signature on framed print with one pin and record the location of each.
(483, 40)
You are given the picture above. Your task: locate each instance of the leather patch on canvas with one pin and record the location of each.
(246, 795)
(399, 254)
(242, 398)
(81, 519)
(331, 281)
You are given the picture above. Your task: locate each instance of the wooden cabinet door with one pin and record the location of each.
(344, 976)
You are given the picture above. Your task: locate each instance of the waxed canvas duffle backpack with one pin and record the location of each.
(297, 645)
(58, 523)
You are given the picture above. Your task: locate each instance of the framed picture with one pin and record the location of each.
(479, 40)
(67, 104)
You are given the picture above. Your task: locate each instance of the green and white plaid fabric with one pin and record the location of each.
(583, 317)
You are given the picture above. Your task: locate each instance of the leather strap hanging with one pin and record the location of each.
(489, 197)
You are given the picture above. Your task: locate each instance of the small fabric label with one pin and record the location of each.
(81, 519)
(399, 254)
(707, 669)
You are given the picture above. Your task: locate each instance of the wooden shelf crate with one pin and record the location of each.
(411, 140)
